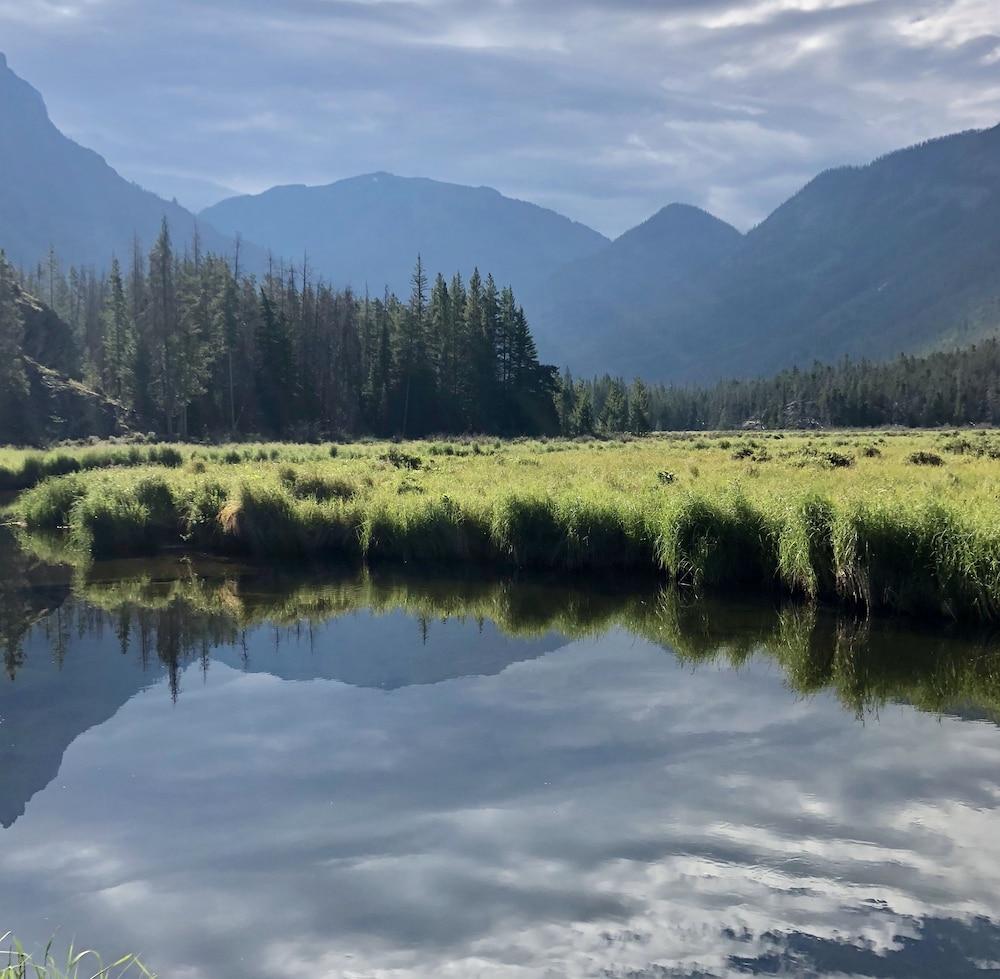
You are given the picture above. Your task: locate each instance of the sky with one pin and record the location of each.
(605, 110)
(595, 807)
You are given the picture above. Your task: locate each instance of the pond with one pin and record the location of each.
(251, 772)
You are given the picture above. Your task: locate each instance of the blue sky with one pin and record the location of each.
(603, 109)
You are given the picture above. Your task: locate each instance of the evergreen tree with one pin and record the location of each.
(583, 412)
(615, 413)
(161, 312)
(119, 340)
(13, 380)
(638, 408)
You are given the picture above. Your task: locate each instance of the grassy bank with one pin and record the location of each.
(903, 521)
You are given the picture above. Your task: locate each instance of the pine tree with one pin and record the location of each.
(583, 412)
(615, 413)
(638, 408)
(119, 340)
(13, 380)
(163, 330)
(273, 367)
(567, 403)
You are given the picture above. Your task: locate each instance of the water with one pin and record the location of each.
(246, 774)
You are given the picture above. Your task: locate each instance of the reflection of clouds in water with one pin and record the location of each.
(599, 808)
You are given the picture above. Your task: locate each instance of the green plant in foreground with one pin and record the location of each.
(16, 963)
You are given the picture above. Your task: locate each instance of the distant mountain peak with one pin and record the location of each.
(368, 230)
(678, 224)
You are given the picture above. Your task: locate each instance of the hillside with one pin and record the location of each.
(54, 192)
(613, 302)
(368, 230)
(901, 255)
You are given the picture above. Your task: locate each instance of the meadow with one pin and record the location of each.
(903, 521)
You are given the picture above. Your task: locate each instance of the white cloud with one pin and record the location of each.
(593, 103)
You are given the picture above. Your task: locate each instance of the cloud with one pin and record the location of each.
(595, 806)
(608, 109)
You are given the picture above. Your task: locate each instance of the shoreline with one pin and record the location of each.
(861, 521)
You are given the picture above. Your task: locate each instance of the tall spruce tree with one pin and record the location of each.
(162, 316)
(13, 380)
(119, 340)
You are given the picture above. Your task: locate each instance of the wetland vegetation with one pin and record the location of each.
(903, 521)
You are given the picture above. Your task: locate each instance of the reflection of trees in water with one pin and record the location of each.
(29, 591)
(175, 615)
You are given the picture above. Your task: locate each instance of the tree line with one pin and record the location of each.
(193, 345)
(957, 387)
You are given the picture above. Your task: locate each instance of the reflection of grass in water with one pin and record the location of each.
(866, 663)
(16, 963)
(880, 532)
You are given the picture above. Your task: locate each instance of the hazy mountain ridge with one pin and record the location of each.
(657, 264)
(899, 255)
(366, 231)
(56, 193)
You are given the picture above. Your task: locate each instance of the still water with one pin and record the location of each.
(240, 774)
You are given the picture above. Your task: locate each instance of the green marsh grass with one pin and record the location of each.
(813, 514)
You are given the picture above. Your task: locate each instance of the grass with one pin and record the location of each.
(85, 964)
(21, 470)
(859, 519)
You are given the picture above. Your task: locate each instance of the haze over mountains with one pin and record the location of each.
(55, 192)
(902, 255)
(368, 230)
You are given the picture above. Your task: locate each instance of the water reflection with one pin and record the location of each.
(257, 774)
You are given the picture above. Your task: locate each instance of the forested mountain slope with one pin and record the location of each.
(616, 302)
(902, 255)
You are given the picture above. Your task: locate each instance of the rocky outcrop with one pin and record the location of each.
(57, 408)
(48, 339)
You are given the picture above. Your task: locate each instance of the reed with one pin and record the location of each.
(16, 963)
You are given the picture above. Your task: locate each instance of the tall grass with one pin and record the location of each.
(16, 963)
(877, 533)
(22, 470)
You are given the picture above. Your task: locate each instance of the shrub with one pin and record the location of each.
(402, 460)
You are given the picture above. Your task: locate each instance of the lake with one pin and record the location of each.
(255, 772)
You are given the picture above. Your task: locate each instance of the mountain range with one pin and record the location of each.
(367, 231)
(901, 255)
(54, 192)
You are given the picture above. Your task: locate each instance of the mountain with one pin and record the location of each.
(901, 255)
(54, 192)
(616, 297)
(367, 231)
